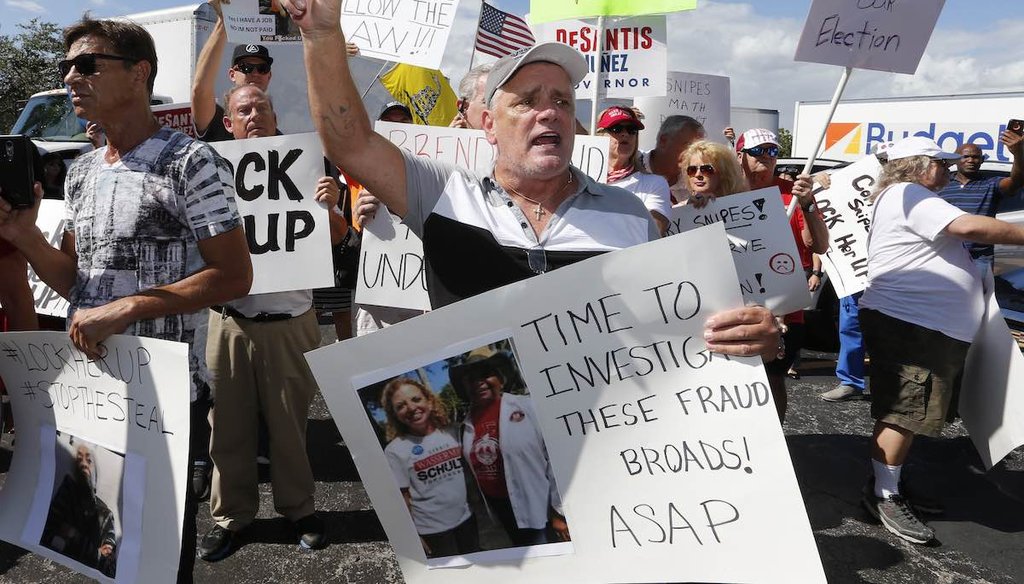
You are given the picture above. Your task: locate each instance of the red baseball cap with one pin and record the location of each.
(616, 115)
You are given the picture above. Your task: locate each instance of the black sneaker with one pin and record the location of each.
(920, 502)
(312, 532)
(201, 472)
(217, 544)
(898, 517)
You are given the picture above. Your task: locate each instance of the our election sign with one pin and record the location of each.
(259, 21)
(845, 208)
(50, 221)
(883, 35)
(547, 11)
(391, 270)
(403, 31)
(705, 98)
(287, 230)
(470, 149)
(761, 241)
(634, 56)
(993, 409)
(658, 449)
(98, 478)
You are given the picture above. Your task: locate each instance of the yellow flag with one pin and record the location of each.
(550, 10)
(425, 91)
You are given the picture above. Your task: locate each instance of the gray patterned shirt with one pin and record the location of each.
(137, 224)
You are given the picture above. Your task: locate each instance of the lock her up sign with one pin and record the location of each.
(287, 230)
(884, 35)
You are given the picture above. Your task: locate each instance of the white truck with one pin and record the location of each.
(179, 35)
(950, 120)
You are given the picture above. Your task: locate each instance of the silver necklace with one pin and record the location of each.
(538, 212)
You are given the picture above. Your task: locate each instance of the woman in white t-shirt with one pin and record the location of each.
(919, 314)
(425, 456)
(623, 126)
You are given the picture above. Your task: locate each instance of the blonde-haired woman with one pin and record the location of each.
(426, 458)
(712, 171)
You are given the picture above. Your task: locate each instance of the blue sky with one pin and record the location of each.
(975, 48)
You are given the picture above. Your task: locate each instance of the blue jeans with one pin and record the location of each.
(850, 364)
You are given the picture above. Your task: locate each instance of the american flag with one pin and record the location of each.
(501, 33)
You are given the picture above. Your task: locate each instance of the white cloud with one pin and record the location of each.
(26, 5)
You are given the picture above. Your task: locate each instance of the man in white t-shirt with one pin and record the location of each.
(920, 312)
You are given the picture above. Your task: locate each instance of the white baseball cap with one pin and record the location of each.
(562, 55)
(919, 146)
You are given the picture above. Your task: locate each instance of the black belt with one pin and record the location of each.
(258, 317)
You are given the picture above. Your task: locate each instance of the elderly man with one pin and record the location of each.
(531, 201)
(153, 236)
(758, 150)
(255, 352)
(974, 193)
(675, 135)
(471, 98)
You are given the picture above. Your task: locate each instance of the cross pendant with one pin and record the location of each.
(538, 212)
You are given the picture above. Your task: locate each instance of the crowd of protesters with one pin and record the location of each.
(919, 313)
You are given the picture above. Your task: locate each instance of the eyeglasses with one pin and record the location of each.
(704, 169)
(943, 162)
(85, 63)
(537, 259)
(247, 68)
(772, 151)
(631, 130)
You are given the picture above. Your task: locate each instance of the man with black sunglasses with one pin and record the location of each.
(758, 151)
(152, 235)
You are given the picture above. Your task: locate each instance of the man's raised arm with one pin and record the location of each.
(204, 103)
(337, 108)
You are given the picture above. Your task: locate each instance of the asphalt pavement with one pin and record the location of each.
(980, 538)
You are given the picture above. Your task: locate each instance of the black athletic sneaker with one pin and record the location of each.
(201, 471)
(920, 502)
(217, 544)
(898, 517)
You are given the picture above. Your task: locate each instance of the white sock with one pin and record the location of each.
(887, 479)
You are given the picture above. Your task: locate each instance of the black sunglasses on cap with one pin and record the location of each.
(247, 68)
(85, 63)
(631, 130)
(704, 169)
(772, 151)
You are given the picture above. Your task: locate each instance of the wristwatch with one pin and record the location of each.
(817, 273)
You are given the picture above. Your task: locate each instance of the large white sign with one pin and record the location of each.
(884, 35)
(634, 57)
(287, 229)
(762, 245)
(702, 97)
(403, 31)
(659, 449)
(846, 209)
(98, 479)
(469, 149)
(391, 270)
(252, 21)
(992, 403)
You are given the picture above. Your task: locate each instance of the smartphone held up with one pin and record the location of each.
(17, 171)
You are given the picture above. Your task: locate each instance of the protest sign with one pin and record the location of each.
(51, 222)
(261, 22)
(470, 149)
(98, 479)
(176, 116)
(762, 245)
(633, 59)
(703, 97)
(846, 210)
(884, 35)
(659, 449)
(546, 11)
(287, 229)
(404, 31)
(391, 271)
(992, 403)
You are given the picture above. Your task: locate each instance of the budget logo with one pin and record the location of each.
(843, 139)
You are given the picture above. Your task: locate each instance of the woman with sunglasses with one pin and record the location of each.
(712, 171)
(622, 125)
